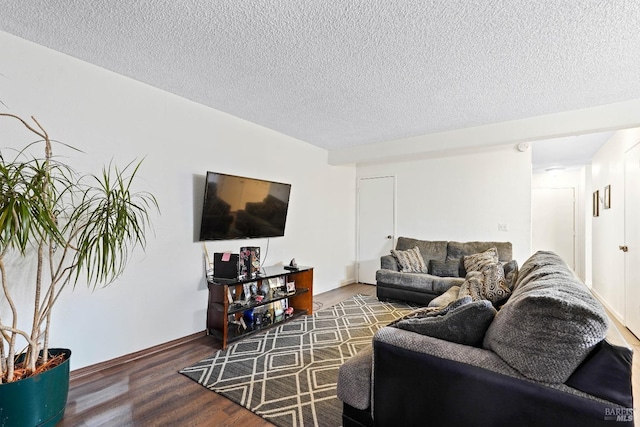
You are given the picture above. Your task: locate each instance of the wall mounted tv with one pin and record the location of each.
(237, 207)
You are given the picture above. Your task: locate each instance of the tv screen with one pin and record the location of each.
(237, 207)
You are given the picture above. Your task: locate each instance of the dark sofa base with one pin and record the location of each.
(456, 394)
(386, 292)
(352, 417)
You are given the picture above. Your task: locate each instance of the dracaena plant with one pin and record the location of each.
(74, 228)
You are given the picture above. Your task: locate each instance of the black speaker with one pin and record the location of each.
(225, 265)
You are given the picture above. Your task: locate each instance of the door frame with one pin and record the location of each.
(358, 223)
(625, 315)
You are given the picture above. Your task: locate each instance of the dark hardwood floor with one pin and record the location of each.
(149, 391)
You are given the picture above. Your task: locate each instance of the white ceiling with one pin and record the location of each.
(566, 153)
(342, 73)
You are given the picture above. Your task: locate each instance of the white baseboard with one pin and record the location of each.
(347, 282)
(613, 312)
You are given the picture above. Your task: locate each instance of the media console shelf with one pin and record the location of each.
(223, 317)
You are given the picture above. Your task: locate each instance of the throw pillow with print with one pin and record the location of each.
(410, 261)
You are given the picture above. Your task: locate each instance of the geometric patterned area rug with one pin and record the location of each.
(288, 374)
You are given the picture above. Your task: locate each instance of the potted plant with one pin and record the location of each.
(71, 228)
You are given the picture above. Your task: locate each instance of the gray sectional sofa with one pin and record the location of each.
(549, 357)
(445, 269)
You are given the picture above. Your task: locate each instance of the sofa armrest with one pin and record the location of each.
(388, 262)
(419, 379)
(412, 341)
(354, 379)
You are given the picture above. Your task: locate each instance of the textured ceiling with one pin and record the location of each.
(340, 73)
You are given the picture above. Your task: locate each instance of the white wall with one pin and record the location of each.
(574, 179)
(464, 197)
(163, 295)
(608, 228)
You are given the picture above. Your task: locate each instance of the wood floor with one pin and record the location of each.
(635, 377)
(150, 392)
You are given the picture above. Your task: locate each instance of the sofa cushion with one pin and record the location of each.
(549, 324)
(462, 322)
(539, 265)
(456, 250)
(449, 268)
(410, 260)
(419, 282)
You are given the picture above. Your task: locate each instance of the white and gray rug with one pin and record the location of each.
(288, 374)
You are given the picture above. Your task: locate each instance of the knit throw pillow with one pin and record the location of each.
(410, 261)
(462, 321)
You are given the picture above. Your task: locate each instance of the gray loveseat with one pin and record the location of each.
(549, 357)
(445, 269)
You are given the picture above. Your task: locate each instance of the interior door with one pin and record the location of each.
(631, 245)
(553, 222)
(376, 219)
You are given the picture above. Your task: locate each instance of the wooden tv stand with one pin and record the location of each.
(223, 316)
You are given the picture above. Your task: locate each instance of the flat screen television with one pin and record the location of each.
(237, 207)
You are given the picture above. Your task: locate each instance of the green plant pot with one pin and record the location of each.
(39, 400)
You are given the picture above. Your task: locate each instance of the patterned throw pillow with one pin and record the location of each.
(495, 287)
(410, 261)
(472, 286)
(485, 278)
(477, 262)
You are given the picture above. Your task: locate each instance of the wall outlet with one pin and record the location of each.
(503, 227)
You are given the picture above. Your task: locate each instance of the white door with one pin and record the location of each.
(376, 207)
(632, 239)
(553, 222)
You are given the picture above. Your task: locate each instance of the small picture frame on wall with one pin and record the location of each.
(596, 203)
(607, 197)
